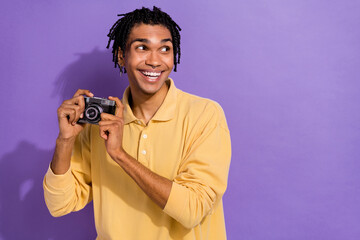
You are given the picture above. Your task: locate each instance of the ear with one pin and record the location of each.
(120, 56)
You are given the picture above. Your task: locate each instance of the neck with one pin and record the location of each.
(145, 106)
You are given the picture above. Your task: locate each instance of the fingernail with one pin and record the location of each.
(81, 115)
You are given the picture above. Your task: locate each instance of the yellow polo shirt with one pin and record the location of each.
(187, 141)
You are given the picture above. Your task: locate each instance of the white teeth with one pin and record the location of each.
(151, 74)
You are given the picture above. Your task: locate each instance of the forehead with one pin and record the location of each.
(154, 33)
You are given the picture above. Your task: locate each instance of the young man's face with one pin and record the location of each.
(149, 58)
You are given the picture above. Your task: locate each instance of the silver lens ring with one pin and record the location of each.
(92, 112)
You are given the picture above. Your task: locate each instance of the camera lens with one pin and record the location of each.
(92, 113)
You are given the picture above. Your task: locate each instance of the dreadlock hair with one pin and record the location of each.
(120, 31)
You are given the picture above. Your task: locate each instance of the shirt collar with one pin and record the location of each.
(166, 111)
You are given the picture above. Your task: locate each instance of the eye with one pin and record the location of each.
(141, 47)
(164, 49)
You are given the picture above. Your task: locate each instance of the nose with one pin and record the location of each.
(153, 60)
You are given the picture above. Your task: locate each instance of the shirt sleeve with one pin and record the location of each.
(71, 191)
(202, 176)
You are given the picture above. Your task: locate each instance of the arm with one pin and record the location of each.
(202, 177)
(68, 114)
(111, 128)
(155, 186)
(66, 190)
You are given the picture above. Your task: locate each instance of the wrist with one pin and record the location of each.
(60, 163)
(65, 140)
(120, 156)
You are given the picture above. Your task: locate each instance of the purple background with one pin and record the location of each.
(285, 72)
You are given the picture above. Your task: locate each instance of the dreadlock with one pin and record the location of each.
(120, 31)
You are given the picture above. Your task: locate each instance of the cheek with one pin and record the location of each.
(169, 60)
(171, 64)
(132, 56)
(132, 61)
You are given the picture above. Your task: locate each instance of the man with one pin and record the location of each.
(158, 168)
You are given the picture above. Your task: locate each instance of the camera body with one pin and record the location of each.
(94, 106)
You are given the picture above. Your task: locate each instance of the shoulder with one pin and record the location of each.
(193, 102)
(201, 109)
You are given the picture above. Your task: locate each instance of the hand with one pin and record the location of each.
(69, 113)
(111, 129)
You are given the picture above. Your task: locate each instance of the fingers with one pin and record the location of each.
(110, 120)
(69, 112)
(108, 127)
(109, 124)
(78, 103)
(78, 99)
(119, 106)
(81, 92)
(104, 133)
(65, 113)
(109, 117)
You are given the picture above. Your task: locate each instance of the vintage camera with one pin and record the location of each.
(94, 106)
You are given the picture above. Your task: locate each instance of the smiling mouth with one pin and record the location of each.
(151, 75)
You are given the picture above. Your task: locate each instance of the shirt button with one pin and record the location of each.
(145, 136)
(138, 122)
(143, 152)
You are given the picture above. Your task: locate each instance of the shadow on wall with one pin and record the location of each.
(23, 213)
(93, 71)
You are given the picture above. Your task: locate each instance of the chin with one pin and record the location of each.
(151, 90)
(148, 86)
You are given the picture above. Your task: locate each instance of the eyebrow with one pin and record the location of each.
(144, 40)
